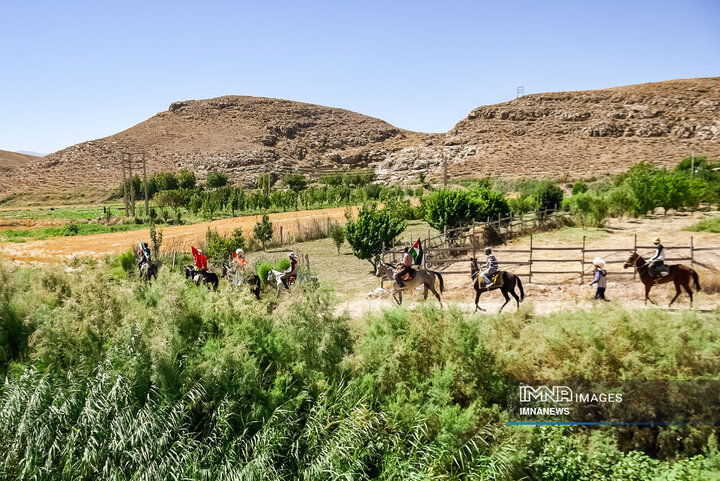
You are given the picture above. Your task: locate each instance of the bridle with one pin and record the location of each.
(635, 260)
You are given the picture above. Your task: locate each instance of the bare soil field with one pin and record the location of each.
(175, 238)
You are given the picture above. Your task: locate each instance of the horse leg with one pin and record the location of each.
(689, 291)
(507, 298)
(517, 299)
(677, 292)
(477, 300)
(425, 291)
(647, 294)
(434, 291)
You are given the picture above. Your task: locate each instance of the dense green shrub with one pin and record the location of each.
(451, 208)
(216, 179)
(263, 230)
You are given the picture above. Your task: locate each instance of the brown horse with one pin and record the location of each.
(509, 281)
(680, 274)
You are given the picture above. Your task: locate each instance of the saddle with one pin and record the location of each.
(408, 275)
(496, 279)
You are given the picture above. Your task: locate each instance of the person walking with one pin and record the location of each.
(600, 279)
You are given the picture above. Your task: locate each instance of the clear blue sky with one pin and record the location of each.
(72, 71)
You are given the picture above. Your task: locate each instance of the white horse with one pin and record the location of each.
(278, 275)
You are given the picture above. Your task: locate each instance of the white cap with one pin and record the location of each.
(598, 261)
(239, 251)
(292, 254)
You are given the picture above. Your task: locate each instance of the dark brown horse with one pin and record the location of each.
(507, 286)
(680, 274)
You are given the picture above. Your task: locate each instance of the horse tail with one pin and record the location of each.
(520, 286)
(696, 279)
(442, 284)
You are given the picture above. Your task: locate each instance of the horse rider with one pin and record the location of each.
(405, 267)
(239, 259)
(144, 254)
(290, 271)
(656, 262)
(491, 267)
(199, 259)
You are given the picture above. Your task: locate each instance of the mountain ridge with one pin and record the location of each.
(555, 134)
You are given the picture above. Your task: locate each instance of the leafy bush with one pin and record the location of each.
(218, 248)
(580, 187)
(337, 233)
(263, 230)
(451, 208)
(186, 179)
(71, 229)
(216, 179)
(127, 261)
(547, 195)
(296, 182)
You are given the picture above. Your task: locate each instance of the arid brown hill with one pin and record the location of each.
(566, 134)
(11, 160)
(578, 134)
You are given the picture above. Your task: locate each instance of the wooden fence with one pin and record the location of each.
(537, 261)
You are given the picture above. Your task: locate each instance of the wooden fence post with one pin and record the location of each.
(635, 251)
(582, 263)
(307, 262)
(531, 259)
(174, 254)
(281, 235)
(692, 253)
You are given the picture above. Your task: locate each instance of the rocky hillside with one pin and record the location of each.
(564, 134)
(577, 134)
(11, 160)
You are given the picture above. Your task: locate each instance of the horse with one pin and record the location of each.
(277, 277)
(679, 274)
(253, 280)
(422, 277)
(206, 277)
(507, 286)
(148, 270)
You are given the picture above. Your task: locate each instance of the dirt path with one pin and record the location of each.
(178, 238)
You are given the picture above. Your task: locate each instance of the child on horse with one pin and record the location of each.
(657, 262)
(239, 259)
(199, 259)
(290, 271)
(491, 267)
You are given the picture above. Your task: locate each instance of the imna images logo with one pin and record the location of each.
(556, 394)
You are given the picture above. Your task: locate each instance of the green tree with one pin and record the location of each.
(186, 179)
(216, 179)
(210, 204)
(337, 233)
(165, 181)
(451, 208)
(175, 199)
(195, 204)
(372, 228)
(218, 248)
(548, 195)
(263, 230)
(296, 182)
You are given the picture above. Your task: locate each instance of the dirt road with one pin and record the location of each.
(178, 238)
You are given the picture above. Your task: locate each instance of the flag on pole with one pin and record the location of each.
(417, 253)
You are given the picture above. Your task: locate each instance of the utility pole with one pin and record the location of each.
(444, 169)
(125, 192)
(147, 195)
(132, 185)
(520, 91)
(692, 163)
